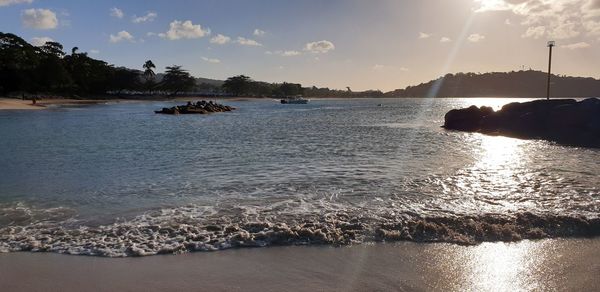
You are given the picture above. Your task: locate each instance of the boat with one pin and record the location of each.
(294, 100)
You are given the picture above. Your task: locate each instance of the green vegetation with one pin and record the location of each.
(527, 83)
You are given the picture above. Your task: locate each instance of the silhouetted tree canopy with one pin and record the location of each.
(177, 80)
(238, 85)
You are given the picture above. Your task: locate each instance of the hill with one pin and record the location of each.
(528, 83)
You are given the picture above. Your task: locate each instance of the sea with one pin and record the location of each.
(118, 180)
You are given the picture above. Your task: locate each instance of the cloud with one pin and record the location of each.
(475, 38)
(290, 53)
(150, 16)
(121, 36)
(258, 32)
(535, 32)
(11, 2)
(379, 67)
(220, 39)
(507, 22)
(562, 19)
(423, 35)
(40, 41)
(248, 42)
(576, 46)
(184, 29)
(209, 60)
(116, 12)
(445, 40)
(94, 51)
(319, 47)
(39, 18)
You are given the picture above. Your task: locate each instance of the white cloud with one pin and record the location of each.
(184, 29)
(248, 42)
(121, 36)
(507, 22)
(209, 60)
(319, 47)
(150, 16)
(11, 2)
(116, 12)
(39, 18)
(423, 35)
(220, 39)
(475, 38)
(562, 19)
(94, 51)
(40, 41)
(535, 32)
(290, 53)
(575, 46)
(379, 67)
(445, 40)
(258, 32)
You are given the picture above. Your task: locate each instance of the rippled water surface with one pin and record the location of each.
(366, 161)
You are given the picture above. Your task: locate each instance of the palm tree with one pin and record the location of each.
(149, 75)
(148, 72)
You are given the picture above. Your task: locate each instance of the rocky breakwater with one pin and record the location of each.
(200, 107)
(565, 121)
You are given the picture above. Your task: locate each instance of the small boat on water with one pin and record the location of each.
(294, 100)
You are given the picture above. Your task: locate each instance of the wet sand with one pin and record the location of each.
(551, 264)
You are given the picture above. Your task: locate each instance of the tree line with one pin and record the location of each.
(48, 69)
(526, 83)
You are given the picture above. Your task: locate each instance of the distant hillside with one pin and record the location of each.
(199, 80)
(502, 84)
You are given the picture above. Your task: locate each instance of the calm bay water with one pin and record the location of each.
(366, 161)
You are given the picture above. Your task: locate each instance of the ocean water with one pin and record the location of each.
(118, 180)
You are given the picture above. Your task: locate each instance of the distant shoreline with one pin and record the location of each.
(12, 103)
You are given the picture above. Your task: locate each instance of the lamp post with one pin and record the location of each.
(550, 45)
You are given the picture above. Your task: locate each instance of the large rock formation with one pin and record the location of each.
(200, 107)
(565, 121)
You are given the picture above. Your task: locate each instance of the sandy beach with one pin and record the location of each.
(18, 104)
(545, 265)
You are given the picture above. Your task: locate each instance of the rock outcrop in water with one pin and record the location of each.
(200, 107)
(564, 121)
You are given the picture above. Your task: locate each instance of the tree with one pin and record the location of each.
(18, 61)
(290, 89)
(123, 79)
(148, 72)
(51, 74)
(149, 75)
(238, 85)
(177, 80)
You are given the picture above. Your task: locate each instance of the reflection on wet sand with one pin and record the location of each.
(545, 265)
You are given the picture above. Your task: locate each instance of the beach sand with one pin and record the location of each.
(552, 264)
(18, 104)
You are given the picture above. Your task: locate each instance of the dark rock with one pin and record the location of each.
(200, 107)
(565, 121)
(467, 119)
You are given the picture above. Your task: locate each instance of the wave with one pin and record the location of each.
(188, 229)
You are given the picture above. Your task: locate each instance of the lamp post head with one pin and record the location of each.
(551, 44)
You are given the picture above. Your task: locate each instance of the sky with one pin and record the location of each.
(375, 44)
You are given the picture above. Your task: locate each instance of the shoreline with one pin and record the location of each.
(549, 264)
